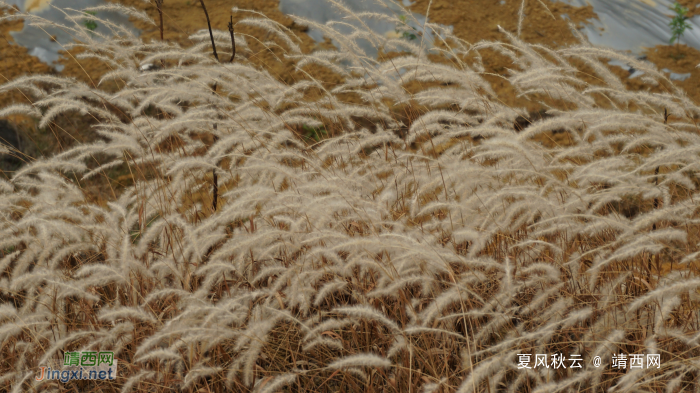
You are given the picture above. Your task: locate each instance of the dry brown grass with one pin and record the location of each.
(387, 233)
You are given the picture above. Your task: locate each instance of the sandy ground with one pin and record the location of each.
(36, 5)
(473, 20)
(477, 20)
(181, 18)
(691, 6)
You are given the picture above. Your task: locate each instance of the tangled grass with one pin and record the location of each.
(419, 243)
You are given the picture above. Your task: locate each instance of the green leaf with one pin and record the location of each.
(90, 24)
(315, 134)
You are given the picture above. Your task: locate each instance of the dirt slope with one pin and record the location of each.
(545, 22)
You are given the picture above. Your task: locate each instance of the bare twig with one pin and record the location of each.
(213, 46)
(216, 190)
(211, 35)
(656, 200)
(656, 171)
(233, 41)
(159, 4)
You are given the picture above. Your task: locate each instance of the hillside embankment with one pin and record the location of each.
(545, 23)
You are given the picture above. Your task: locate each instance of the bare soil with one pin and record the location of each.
(546, 23)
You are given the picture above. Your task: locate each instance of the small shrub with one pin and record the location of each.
(90, 24)
(679, 24)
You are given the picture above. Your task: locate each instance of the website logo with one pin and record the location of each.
(87, 365)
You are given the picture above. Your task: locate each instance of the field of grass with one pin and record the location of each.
(396, 229)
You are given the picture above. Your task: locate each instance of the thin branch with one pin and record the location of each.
(159, 4)
(656, 171)
(233, 41)
(216, 190)
(211, 35)
(215, 179)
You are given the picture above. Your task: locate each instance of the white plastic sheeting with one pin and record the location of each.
(631, 25)
(625, 25)
(323, 11)
(40, 42)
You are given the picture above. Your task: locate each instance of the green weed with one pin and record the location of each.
(314, 133)
(406, 34)
(89, 23)
(679, 24)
